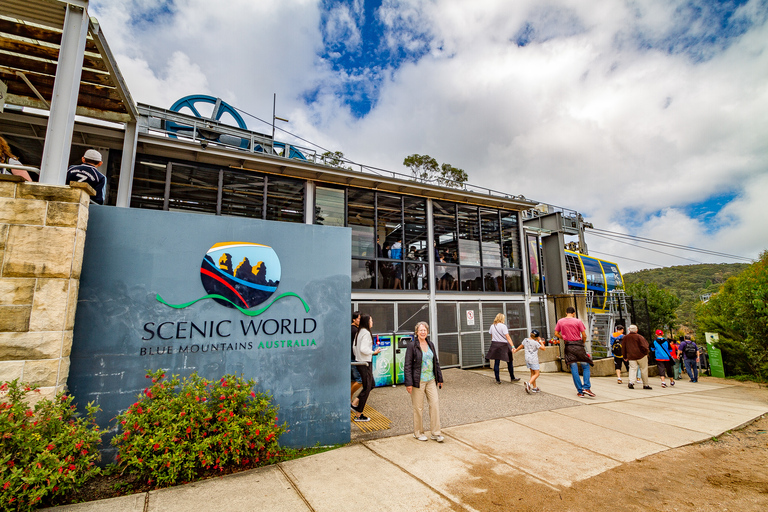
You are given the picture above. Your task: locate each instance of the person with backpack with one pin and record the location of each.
(690, 356)
(674, 351)
(618, 351)
(663, 358)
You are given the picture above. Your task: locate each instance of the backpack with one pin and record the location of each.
(617, 348)
(690, 351)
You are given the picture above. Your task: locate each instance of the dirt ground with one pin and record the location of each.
(729, 473)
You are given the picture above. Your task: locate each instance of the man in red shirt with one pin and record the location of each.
(573, 332)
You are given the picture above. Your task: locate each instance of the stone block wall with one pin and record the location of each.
(42, 236)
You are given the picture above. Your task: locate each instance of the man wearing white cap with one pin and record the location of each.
(88, 173)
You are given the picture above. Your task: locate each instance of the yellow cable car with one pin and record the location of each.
(586, 274)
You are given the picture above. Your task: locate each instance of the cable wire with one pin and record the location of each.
(630, 259)
(645, 248)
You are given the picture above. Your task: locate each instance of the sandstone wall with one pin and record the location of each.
(42, 236)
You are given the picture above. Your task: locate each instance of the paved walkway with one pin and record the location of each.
(576, 440)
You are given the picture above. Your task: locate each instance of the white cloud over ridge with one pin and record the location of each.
(627, 112)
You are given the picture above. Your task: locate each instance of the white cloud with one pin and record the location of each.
(590, 114)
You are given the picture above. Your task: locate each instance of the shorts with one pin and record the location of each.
(356, 375)
(618, 361)
(532, 365)
(665, 368)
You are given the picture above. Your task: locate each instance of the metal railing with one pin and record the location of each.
(201, 131)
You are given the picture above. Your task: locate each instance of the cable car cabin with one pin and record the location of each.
(588, 274)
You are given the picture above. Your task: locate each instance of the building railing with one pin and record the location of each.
(209, 132)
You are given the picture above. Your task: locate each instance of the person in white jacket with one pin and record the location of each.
(364, 354)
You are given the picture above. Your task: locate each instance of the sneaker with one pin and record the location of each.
(516, 379)
(663, 384)
(580, 395)
(672, 383)
(536, 390)
(647, 387)
(438, 438)
(631, 386)
(527, 387)
(498, 382)
(619, 381)
(362, 418)
(589, 392)
(422, 437)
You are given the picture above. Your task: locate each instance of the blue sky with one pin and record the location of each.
(649, 117)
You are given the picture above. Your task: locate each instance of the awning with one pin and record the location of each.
(30, 41)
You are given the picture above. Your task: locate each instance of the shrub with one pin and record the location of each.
(45, 451)
(180, 429)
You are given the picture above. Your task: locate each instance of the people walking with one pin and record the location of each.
(532, 345)
(636, 351)
(574, 334)
(674, 351)
(423, 377)
(364, 354)
(501, 347)
(663, 356)
(690, 352)
(617, 351)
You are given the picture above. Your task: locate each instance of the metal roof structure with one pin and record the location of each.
(30, 43)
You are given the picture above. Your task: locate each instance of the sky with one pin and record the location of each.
(648, 117)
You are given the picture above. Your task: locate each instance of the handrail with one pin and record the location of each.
(22, 167)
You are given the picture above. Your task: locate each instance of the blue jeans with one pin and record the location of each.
(692, 369)
(577, 380)
(509, 367)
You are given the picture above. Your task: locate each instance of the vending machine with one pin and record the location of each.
(383, 363)
(401, 345)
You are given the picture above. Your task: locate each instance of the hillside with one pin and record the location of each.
(688, 282)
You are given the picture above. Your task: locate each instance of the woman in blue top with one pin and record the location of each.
(423, 377)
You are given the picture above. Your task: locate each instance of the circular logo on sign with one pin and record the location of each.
(240, 274)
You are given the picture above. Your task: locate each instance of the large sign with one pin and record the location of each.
(215, 295)
(714, 354)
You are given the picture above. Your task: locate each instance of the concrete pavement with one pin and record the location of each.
(576, 438)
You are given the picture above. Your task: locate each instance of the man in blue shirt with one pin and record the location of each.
(88, 173)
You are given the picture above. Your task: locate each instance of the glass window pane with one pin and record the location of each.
(411, 313)
(194, 189)
(390, 275)
(446, 242)
(516, 315)
(446, 277)
(148, 189)
(469, 236)
(242, 194)
(510, 240)
(492, 280)
(415, 212)
(329, 207)
(471, 279)
(490, 231)
(446, 317)
(416, 277)
(513, 281)
(362, 275)
(390, 225)
(382, 313)
(285, 199)
(360, 219)
(575, 273)
(534, 265)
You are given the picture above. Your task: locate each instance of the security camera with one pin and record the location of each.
(203, 144)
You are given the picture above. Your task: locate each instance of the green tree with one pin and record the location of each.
(424, 168)
(335, 159)
(661, 303)
(738, 312)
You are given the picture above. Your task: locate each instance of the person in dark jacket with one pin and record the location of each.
(423, 377)
(636, 352)
(690, 357)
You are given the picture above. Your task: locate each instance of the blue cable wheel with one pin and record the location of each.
(220, 109)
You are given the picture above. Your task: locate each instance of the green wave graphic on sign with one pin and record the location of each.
(247, 312)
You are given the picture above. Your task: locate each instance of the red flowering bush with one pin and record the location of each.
(46, 450)
(178, 429)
